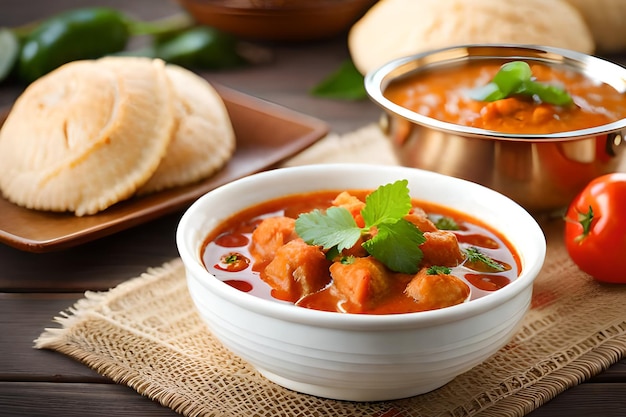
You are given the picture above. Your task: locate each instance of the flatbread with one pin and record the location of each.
(396, 28)
(203, 140)
(86, 135)
(605, 19)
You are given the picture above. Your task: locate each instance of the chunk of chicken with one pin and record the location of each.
(352, 204)
(362, 282)
(437, 290)
(269, 235)
(441, 248)
(420, 219)
(297, 269)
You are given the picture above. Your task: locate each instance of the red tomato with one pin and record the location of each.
(595, 228)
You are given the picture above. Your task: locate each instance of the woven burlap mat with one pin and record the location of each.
(146, 334)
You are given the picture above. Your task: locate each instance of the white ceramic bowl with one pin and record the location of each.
(350, 356)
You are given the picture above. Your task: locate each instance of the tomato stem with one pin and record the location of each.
(585, 220)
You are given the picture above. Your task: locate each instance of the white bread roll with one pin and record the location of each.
(203, 140)
(86, 135)
(605, 19)
(396, 28)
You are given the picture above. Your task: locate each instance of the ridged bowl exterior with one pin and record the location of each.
(349, 356)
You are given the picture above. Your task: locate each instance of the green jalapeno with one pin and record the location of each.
(77, 34)
(9, 51)
(200, 47)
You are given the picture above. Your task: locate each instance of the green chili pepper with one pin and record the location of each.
(9, 51)
(515, 78)
(77, 34)
(200, 47)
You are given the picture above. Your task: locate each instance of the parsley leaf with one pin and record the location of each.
(438, 270)
(387, 204)
(396, 241)
(515, 78)
(334, 228)
(477, 260)
(447, 223)
(395, 245)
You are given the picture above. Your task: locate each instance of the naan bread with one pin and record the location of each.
(86, 135)
(396, 28)
(203, 140)
(605, 19)
(96, 132)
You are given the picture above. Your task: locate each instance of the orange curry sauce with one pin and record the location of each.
(442, 94)
(237, 255)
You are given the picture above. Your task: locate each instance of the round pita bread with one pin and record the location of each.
(395, 28)
(605, 19)
(86, 135)
(203, 140)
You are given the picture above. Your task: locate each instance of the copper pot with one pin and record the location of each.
(541, 172)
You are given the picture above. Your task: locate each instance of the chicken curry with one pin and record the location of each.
(263, 250)
(447, 94)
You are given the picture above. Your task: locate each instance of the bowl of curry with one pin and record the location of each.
(535, 123)
(360, 282)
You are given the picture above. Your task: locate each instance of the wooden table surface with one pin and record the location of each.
(35, 287)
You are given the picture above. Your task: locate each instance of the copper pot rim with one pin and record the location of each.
(608, 72)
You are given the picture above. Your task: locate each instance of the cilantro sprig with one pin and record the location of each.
(438, 270)
(394, 241)
(447, 223)
(482, 262)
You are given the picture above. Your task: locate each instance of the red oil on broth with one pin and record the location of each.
(234, 253)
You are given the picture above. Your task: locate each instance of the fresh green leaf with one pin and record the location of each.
(511, 76)
(475, 256)
(387, 204)
(446, 223)
(347, 260)
(547, 93)
(397, 246)
(345, 84)
(515, 78)
(396, 241)
(336, 227)
(332, 253)
(487, 92)
(438, 270)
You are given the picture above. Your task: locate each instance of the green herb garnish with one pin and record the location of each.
(477, 258)
(515, 78)
(396, 241)
(347, 260)
(438, 270)
(446, 223)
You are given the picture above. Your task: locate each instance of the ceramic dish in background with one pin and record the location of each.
(360, 357)
(542, 172)
(278, 20)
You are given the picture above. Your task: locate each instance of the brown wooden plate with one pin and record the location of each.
(266, 134)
